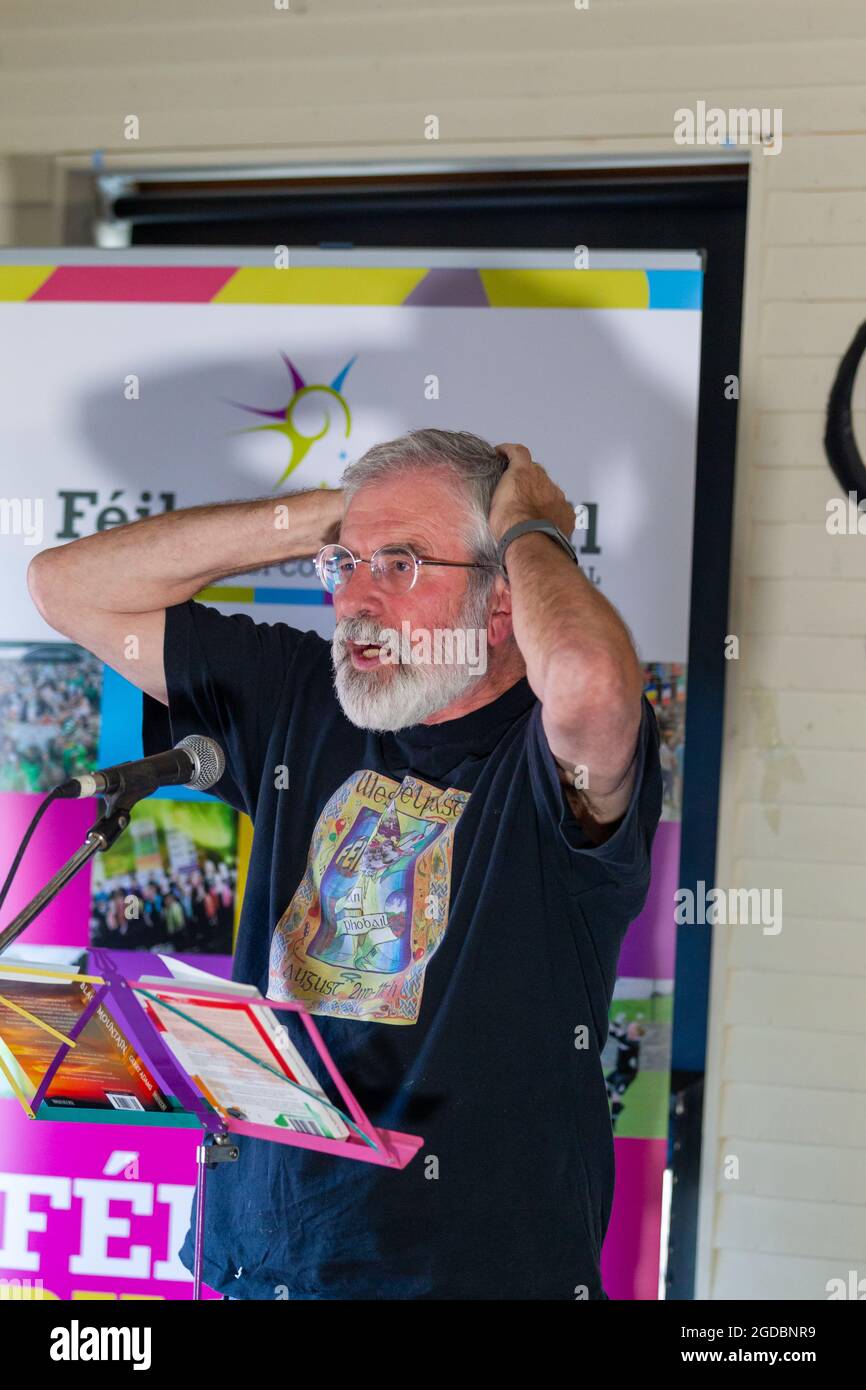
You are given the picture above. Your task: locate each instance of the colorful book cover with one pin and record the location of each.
(243, 1061)
(103, 1071)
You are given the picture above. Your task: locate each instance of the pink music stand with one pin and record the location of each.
(386, 1147)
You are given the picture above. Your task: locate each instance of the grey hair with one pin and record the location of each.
(473, 464)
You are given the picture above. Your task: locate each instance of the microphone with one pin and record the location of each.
(196, 761)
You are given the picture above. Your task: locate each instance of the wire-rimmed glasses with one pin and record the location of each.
(395, 567)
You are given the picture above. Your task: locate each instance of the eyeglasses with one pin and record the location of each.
(395, 567)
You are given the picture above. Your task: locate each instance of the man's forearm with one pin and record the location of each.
(562, 624)
(165, 559)
(579, 656)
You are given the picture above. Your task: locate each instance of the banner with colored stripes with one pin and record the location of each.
(139, 382)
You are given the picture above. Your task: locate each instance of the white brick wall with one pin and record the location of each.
(213, 81)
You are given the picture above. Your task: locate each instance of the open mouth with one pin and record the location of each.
(364, 654)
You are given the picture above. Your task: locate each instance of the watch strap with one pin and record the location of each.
(546, 527)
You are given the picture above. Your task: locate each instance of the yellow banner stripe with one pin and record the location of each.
(20, 282)
(245, 845)
(566, 289)
(219, 593)
(320, 285)
(25, 968)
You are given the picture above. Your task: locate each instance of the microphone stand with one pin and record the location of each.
(215, 1147)
(101, 836)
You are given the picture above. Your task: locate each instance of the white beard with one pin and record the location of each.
(390, 697)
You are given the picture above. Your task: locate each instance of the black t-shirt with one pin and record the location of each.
(432, 900)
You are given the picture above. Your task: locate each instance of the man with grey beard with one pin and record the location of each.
(448, 851)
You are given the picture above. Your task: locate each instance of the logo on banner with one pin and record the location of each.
(288, 419)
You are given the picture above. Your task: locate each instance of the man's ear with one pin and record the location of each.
(499, 627)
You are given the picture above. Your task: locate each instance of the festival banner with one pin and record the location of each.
(140, 382)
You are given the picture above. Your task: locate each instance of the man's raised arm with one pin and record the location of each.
(108, 592)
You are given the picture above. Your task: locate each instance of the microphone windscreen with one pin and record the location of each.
(209, 758)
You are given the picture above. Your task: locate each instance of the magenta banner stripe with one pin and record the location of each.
(174, 284)
(630, 1259)
(649, 949)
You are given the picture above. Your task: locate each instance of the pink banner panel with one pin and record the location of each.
(100, 1217)
(66, 919)
(649, 949)
(172, 284)
(630, 1258)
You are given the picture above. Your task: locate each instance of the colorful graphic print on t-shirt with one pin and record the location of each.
(372, 906)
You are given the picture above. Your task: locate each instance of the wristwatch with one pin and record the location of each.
(546, 527)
